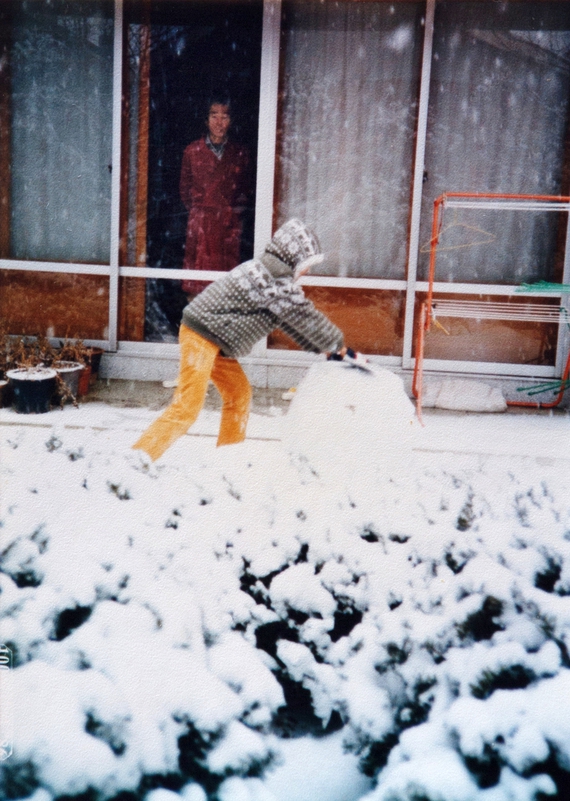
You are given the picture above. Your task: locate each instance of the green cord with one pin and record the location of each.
(555, 386)
(547, 286)
(543, 286)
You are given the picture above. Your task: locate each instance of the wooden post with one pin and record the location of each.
(133, 294)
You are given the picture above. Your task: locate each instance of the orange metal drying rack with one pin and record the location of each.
(430, 309)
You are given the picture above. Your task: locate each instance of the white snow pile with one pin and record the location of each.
(354, 619)
(462, 394)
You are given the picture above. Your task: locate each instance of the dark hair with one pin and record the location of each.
(218, 99)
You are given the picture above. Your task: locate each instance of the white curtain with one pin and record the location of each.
(348, 115)
(62, 71)
(498, 122)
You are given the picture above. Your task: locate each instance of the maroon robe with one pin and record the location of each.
(213, 190)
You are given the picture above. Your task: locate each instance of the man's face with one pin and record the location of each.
(218, 122)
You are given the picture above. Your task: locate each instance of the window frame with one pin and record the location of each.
(264, 212)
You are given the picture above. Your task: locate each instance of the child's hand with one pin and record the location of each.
(351, 355)
(356, 358)
(338, 356)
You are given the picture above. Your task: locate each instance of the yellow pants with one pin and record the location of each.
(200, 362)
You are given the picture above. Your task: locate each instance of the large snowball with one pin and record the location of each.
(348, 424)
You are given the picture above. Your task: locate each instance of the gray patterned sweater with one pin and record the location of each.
(252, 300)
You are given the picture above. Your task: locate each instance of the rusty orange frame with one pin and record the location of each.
(426, 315)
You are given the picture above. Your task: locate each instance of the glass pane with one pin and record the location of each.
(55, 304)
(61, 109)
(194, 210)
(500, 341)
(164, 302)
(347, 127)
(498, 122)
(498, 246)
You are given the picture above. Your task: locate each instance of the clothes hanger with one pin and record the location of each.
(485, 237)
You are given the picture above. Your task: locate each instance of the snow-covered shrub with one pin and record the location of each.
(174, 625)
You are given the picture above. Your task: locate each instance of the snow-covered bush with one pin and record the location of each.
(173, 625)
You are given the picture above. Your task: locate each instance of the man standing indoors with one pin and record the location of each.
(214, 187)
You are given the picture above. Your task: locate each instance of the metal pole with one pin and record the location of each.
(419, 163)
(563, 343)
(116, 176)
(267, 133)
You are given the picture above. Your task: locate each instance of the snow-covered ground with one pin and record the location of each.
(346, 606)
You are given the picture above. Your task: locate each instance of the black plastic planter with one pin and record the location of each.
(32, 389)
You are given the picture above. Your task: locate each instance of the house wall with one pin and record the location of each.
(351, 157)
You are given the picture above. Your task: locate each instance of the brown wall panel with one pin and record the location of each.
(131, 309)
(372, 320)
(55, 304)
(504, 341)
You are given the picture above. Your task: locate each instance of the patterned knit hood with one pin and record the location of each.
(295, 245)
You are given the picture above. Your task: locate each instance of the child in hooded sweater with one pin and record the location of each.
(227, 319)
